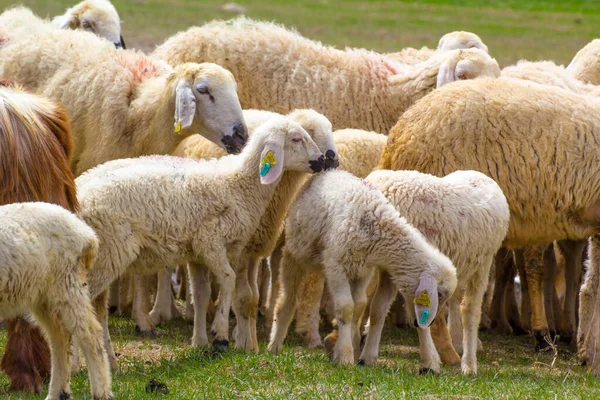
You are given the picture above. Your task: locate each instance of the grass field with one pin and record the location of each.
(508, 366)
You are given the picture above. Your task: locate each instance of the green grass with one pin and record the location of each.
(508, 368)
(512, 29)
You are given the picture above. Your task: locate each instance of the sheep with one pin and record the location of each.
(585, 64)
(168, 210)
(345, 228)
(46, 252)
(34, 166)
(96, 16)
(279, 70)
(122, 103)
(536, 141)
(451, 41)
(465, 215)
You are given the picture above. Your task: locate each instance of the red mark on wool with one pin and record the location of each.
(3, 38)
(369, 185)
(140, 66)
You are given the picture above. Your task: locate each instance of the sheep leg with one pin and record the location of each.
(525, 300)
(534, 270)
(359, 297)
(125, 294)
(343, 352)
(114, 301)
(264, 287)
(455, 322)
(100, 306)
(471, 315)
(307, 312)
(573, 252)
(164, 303)
(199, 283)
(253, 273)
(275, 261)
(74, 357)
(504, 273)
(60, 342)
(141, 306)
(225, 276)
(289, 281)
(380, 305)
(243, 305)
(512, 308)
(443, 341)
(430, 359)
(587, 300)
(398, 312)
(548, 287)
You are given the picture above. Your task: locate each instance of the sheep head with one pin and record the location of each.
(461, 40)
(466, 64)
(206, 102)
(585, 66)
(320, 130)
(433, 291)
(96, 16)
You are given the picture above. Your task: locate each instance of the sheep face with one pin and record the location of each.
(96, 16)
(467, 64)
(434, 289)
(206, 95)
(461, 40)
(321, 131)
(288, 147)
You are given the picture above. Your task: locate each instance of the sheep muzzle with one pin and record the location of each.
(331, 162)
(317, 165)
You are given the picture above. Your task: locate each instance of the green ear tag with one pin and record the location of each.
(264, 169)
(424, 317)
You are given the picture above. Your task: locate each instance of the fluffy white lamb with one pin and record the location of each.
(169, 210)
(465, 215)
(450, 41)
(96, 16)
(46, 253)
(345, 228)
(279, 70)
(585, 66)
(121, 103)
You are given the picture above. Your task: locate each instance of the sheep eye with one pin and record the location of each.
(86, 25)
(440, 297)
(203, 90)
(462, 77)
(296, 140)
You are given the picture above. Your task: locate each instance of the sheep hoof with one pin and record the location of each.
(361, 362)
(221, 345)
(150, 334)
(541, 344)
(64, 395)
(427, 371)
(112, 310)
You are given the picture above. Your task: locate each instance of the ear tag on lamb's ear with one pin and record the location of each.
(178, 127)
(267, 162)
(424, 317)
(423, 300)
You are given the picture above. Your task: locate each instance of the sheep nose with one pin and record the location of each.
(317, 165)
(330, 160)
(234, 143)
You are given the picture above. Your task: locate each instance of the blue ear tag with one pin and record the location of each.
(265, 169)
(424, 317)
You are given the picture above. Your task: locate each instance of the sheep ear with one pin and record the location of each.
(185, 106)
(426, 301)
(271, 163)
(446, 73)
(67, 21)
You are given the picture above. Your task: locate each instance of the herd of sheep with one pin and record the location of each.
(319, 216)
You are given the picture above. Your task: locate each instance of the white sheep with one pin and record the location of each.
(169, 210)
(537, 142)
(345, 228)
(46, 252)
(585, 64)
(96, 16)
(450, 41)
(465, 215)
(122, 103)
(279, 70)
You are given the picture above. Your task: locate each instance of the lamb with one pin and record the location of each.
(345, 228)
(130, 100)
(142, 214)
(451, 41)
(47, 277)
(96, 16)
(465, 215)
(279, 70)
(535, 141)
(585, 64)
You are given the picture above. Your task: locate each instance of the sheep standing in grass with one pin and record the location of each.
(537, 142)
(465, 215)
(96, 16)
(451, 41)
(279, 70)
(169, 210)
(46, 252)
(122, 103)
(346, 229)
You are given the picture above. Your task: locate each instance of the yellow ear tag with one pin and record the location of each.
(269, 159)
(423, 299)
(178, 127)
